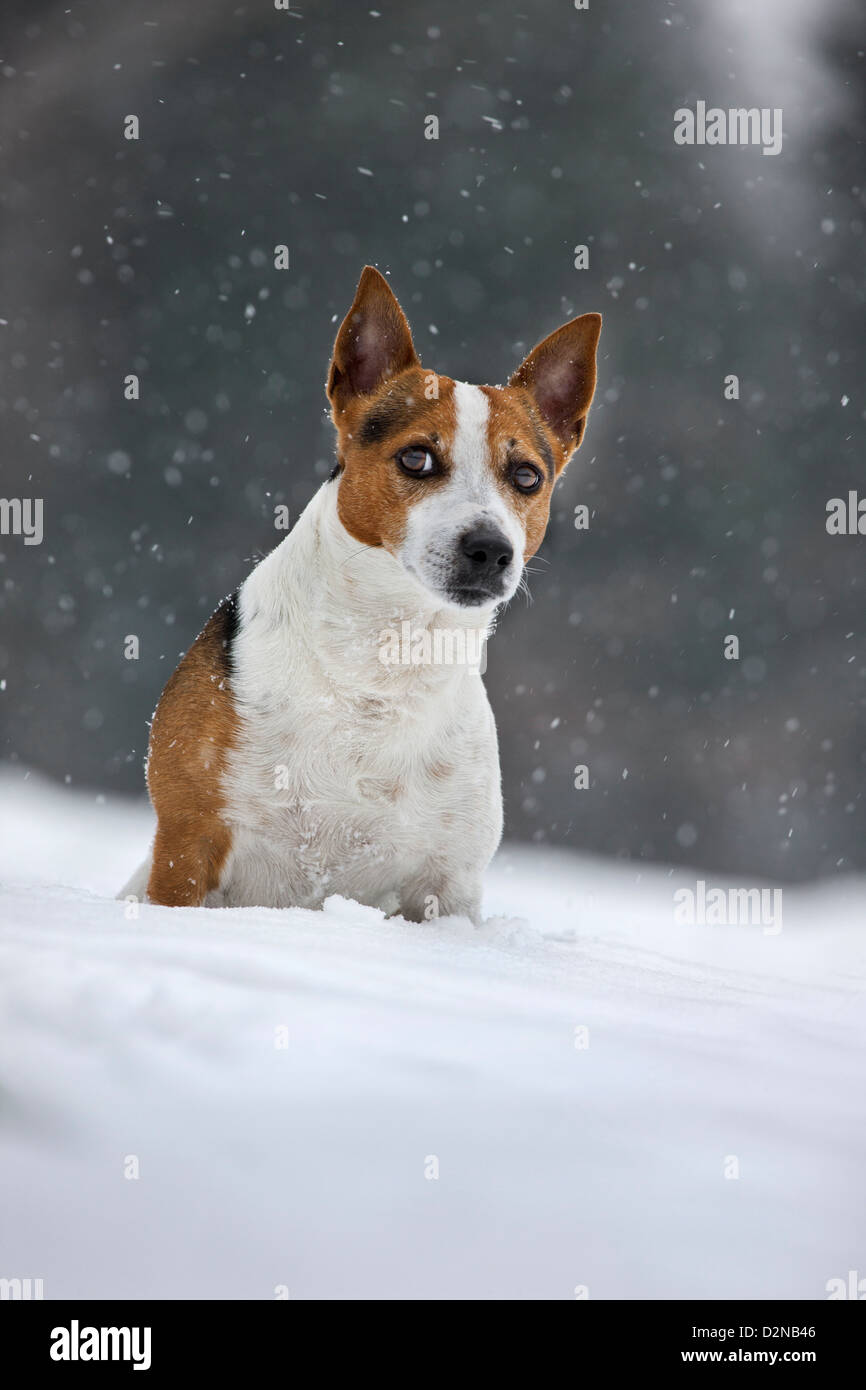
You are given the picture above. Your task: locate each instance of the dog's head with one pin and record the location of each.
(455, 481)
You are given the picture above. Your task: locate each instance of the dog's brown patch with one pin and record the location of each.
(194, 727)
(542, 412)
(375, 497)
(517, 434)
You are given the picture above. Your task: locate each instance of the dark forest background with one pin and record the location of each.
(261, 127)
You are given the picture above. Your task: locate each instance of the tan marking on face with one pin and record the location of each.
(517, 434)
(375, 495)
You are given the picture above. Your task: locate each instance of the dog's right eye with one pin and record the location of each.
(418, 463)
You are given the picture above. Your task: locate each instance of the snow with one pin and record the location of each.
(303, 1166)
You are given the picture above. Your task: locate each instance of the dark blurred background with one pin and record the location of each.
(260, 127)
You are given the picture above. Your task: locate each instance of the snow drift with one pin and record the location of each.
(334, 1105)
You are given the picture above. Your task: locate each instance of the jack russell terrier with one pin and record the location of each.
(289, 761)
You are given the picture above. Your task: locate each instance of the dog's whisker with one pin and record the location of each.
(355, 553)
(523, 587)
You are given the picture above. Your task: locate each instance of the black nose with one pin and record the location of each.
(488, 553)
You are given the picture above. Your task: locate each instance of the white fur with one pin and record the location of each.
(393, 791)
(469, 500)
(136, 886)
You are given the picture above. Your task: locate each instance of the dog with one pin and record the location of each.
(287, 759)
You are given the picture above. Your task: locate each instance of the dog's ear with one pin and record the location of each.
(374, 341)
(560, 374)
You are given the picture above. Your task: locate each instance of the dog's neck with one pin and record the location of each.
(334, 601)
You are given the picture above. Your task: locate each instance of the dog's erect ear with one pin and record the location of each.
(560, 373)
(373, 343)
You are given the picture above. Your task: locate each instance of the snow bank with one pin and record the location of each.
(582, 1070)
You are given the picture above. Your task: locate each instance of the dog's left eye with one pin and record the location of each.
(418, 463)
(526, 477)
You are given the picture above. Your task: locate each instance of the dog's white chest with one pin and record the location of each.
(347, 775)
(372, 802)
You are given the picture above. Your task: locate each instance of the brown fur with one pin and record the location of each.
(517, 434)
(193, 728)
(374, 495)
